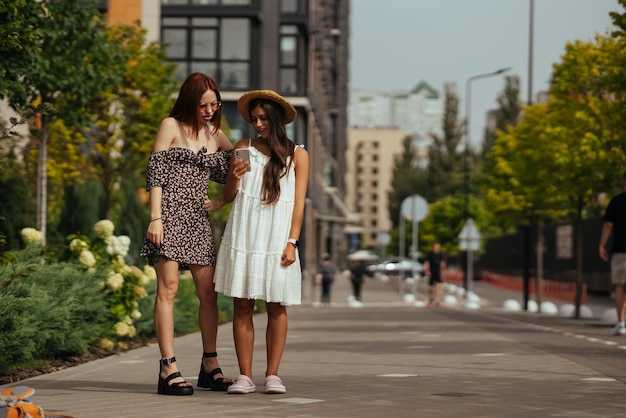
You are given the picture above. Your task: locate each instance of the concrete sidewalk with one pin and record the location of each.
(384, 358)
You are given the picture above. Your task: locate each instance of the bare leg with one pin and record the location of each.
(276, 336)
(167, 286)
(243, 333)
(619, 302)
(207, 313)
(438, 292)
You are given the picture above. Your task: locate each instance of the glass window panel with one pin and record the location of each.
(288, 80)
(289, 6)
(235, 75)
(235, 39)
(174, 21)
(176, 42)
(205, 1)
(204, 44)
(230, 2)
(288, 50)
(175, 1)
(204, 21)
(181, 71)
(208, 68)
(288, 30)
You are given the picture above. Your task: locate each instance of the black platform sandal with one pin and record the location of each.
(176, 389)
(208, 381)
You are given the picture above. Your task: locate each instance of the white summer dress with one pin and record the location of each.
(248, 261)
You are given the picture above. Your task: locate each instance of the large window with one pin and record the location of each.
(209, 2)
(218, 47)
(289, 52)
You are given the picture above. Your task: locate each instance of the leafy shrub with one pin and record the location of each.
(48, 311)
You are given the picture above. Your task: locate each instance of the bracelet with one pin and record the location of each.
(155, 219)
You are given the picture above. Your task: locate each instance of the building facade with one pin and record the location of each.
(298, 48)
(369, 172)
(378, 124)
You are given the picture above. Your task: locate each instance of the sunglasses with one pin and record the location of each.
(213, 105)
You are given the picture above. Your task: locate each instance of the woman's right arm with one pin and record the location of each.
(164, 138)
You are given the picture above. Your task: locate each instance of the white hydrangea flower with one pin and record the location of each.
(87, 259)
(77, 245)
(135, 314)
(121, 329)
(150, 272)
(31, 236)
(140, 292)
(104, 228)
(115, 281)
(132, 331)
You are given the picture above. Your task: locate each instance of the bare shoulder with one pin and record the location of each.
(167, 134)
(242, 143)
(301, 153)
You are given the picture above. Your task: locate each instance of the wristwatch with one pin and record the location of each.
(295, 242)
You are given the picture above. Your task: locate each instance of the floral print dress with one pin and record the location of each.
(184, 177)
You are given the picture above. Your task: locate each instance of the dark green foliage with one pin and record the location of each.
(16, 207)
(48, 311)
(82, 208)
(132, 217)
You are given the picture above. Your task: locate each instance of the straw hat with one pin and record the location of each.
(244, 101)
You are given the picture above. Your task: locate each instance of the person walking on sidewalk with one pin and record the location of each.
(327, 271)
(615, 224)
(433, 267)
(189, 150)
(358, 270)
(258, 257)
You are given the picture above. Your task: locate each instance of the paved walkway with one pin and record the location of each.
(385, 358)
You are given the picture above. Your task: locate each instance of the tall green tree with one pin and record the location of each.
(71, 62)
(445, 167)
(405, 180)
(508, 112)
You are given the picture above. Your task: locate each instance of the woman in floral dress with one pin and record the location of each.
(189, 150)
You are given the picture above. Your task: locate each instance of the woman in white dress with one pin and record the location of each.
(258, 256)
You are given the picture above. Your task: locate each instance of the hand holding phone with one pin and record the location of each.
(244, 155)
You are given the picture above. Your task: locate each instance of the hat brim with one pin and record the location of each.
(246, 98)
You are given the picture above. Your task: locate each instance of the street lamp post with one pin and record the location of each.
(466, 154)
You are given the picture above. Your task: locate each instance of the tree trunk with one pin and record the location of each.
(42, 180)
(579, 258)
(539, 280)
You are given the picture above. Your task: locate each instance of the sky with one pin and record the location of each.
(395, 44)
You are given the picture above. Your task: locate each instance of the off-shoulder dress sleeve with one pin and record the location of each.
(157, 172)
(219, 166)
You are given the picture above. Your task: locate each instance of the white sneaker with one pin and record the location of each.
(620, 329)
(242, 385)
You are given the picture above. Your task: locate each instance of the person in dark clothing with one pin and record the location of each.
(433, 266)
(358, 271)
(615, 224)
(328, 271)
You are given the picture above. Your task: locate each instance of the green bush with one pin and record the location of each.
(48, 311)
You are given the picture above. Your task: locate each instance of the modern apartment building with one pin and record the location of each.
(298, 48)
(379, 122)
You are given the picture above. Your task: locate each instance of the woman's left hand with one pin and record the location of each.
(289, 255)
(213, 205)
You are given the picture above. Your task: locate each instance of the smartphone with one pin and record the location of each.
(243, 154)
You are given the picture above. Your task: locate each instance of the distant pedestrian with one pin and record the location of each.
(615, 223)
(433, 266)
(358, 270)
(327, 272)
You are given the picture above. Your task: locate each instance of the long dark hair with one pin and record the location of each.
(281, 148)
(185, 109)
